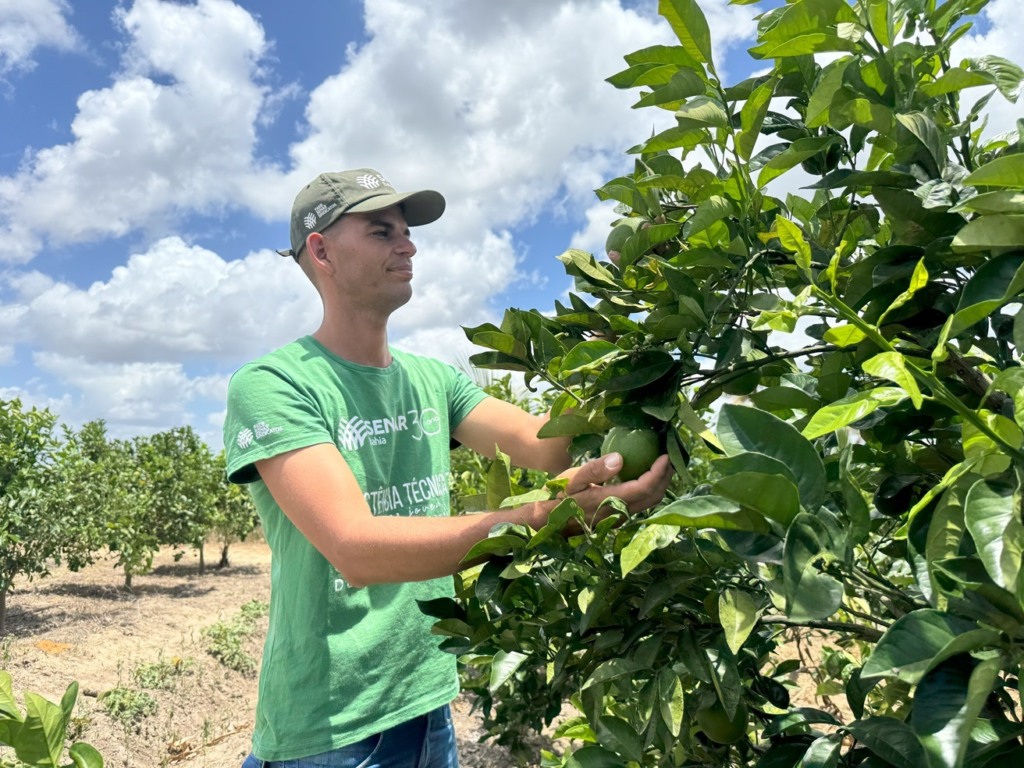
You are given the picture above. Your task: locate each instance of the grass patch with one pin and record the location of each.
(127, 705)
(161, 675)
(225, 639)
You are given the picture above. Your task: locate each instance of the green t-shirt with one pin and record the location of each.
(339, 663)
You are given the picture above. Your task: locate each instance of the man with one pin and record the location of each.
(345, 443)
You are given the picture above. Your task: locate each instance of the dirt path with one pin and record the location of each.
(82, 626)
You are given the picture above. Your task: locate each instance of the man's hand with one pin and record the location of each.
(587, 486)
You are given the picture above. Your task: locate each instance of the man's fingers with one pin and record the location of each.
(595, 472)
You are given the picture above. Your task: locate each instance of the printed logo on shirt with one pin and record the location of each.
(356, 432)
(246, 437)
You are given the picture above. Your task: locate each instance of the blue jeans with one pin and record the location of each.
(427, 741)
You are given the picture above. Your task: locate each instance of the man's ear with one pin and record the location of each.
(317, 247)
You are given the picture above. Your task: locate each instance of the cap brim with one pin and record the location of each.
(422, 207)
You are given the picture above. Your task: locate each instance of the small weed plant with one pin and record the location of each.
(226, 637)
(162, 675)
(127, 705)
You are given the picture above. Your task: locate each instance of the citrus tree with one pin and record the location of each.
(234, 515)
(834, 372)
(26, 540)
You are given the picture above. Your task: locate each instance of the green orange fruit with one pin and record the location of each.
(639, 448)
(719, 727)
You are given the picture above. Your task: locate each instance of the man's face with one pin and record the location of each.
(373, 258)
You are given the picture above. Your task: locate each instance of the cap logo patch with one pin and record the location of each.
(310, 220)
(371, 181)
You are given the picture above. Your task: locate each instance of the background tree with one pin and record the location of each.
(27, 540)
(868, 482)
(234, 513)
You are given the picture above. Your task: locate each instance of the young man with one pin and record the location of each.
(345, 443)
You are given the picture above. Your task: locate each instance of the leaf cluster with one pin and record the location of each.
(843, 358)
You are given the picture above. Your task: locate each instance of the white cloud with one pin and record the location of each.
(175, 302)
(133, 398)
(1002, 38)
(27, 25)
(174, 133)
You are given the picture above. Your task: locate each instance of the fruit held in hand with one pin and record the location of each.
(639, 448)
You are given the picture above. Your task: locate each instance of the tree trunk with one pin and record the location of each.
(3, 611)
(224, 562)
(202, 558)
(128, 581)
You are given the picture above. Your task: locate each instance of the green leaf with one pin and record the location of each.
(996, 282)
(1000, 201)
(41, 737)
(946, 706)
(791, 237)
(737, 614)
(844, 412)
(752, 117)
(683, 84)
(995, 231)
(890, 739)
(793, 155)
(992, 515)
(612, 669)
(892, 366)
(844, 335)
(830, 82)
(503, 666)
(708, 512)
(954, 80)
(823, 752)
(917, 281)
(618, 735)
(581, 263)
(499, 480)
(670, 699)
(715, 208)
(691, 27)
(567, 424)
(921, 640)
(501, 342)
(502, 544)
(702, 111)
(1005, 171)
(809, 593)
(8, 706)
(923, 128)
(588, 355)
(880, 19)
(644, 542)
(592, 756)
(774, 496)
(85, 756)
(742, 429)
(1008, 76)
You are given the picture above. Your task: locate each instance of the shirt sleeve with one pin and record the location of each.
(464, 395)
(267, 414)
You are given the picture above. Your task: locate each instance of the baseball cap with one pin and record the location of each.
(331, 195)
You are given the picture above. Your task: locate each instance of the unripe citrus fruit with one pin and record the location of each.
(620, 233)
(718, 727)
(639, 448)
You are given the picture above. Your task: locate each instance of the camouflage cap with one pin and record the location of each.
(331, 195)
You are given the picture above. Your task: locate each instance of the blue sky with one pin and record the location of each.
(150, 151)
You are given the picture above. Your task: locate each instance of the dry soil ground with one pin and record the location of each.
(83, 626)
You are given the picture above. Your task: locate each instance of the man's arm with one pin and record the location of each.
(318, 492)
(514, 431)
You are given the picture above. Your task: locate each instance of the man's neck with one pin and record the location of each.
(358, 339)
